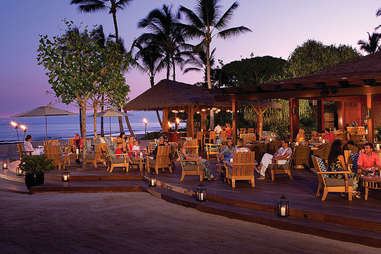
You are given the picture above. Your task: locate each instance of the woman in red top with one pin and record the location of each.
(130, 145)
(228, 130)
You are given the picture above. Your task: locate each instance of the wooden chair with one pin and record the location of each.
(242, 168)
(116, 161)
(370, 183)
(200, 138)
(191, 147)
(21, 151)
(189, 167)
(276, 168)
(242, 131)
(99, 156)
(53, 152)
(162, 160)
(250, 130)
(331, 184)
(212, 137)
(212, 149)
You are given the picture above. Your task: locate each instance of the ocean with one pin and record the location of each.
(60, 127)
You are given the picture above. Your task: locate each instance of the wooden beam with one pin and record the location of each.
(369, 117)
(190, 121)
(203, 120)
(234, 120)
(340, 114)
(320, 115)
(164, 124)
(294, 117)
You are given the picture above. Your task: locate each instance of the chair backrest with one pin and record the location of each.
(318, 164)
(250, 130)
(242, 131)
(162, 156)
(53, 151)
(243, 163)
(191, 147)
(212, 137)
(199, 135)
(101, 150)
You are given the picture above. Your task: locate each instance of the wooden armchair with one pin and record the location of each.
(99, 156)
(21, 151)
(191, 147)
(212, 137)
(242, 168)
(162, 160)
(53, 152)
(212, 149)
(276, 168)
(116, 161)
(331, 184)
(189, 167)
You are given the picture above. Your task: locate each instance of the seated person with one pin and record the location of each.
(314, 136)
(130, 145)
(77, 142)
(300, 137)
(28, 147)
(228, 130)
(328, 136)
(281, 155)
(227, 151)
(217, 129)
(135, 148)
(240, 147)
(203, 163)
(336, 162)
(160, 143)
(368, 159)
(119, 150)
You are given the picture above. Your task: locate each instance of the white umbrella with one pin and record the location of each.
(45, 111)
(111, 113)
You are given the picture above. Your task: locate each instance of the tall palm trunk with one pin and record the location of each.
(211, 120)
(102, 109)
(152, 80)
(121, 128)
(168, 67)
(95, 108)
(173, 69)
(82, 106)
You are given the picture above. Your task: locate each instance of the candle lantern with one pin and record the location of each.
(5, 164)
(19, 172)
(200, 193)
(66, 176)
(152, 181)
(283, 207)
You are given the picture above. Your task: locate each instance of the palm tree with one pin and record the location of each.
(372, 45)
(197, 58)
(112, 6)
(206, 23)
(166, 35)
(147, 59)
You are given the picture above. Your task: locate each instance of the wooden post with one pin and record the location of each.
(369, 117)
(190, 120)
(164, 124)
(234, 120)
(294, 117)
(203, 120)
(320, 115)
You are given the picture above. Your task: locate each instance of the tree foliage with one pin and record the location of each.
(372, 45)
(313, 56)
(80, 67)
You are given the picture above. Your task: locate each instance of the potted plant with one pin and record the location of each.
(34, 168)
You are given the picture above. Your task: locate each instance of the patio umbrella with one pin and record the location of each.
(111, 113)
(45, 111)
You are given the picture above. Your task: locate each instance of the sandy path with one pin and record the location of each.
(139, 223)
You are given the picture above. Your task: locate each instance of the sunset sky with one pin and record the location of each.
(279, 26)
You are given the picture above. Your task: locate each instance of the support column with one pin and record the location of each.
(369, 117)
(203, 120)
(234, 120)
(190, 121)
(164, 123)
(320, 115)
(294, 117)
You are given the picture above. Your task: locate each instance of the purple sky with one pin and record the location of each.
(278, 27)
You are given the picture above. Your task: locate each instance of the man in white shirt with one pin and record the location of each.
(28, 147)
(282, 155)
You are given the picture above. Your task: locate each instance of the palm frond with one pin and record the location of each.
(378, 13)
(191, 17)
(233, 32)
(226, 17)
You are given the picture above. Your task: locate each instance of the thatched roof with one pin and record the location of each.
(172, 94)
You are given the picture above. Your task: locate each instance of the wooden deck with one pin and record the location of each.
(335, 218)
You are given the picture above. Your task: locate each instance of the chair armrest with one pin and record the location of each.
(335, 172)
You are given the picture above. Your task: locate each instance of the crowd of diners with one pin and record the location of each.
(365, 160)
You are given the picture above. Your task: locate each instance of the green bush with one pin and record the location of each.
(36, 164)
